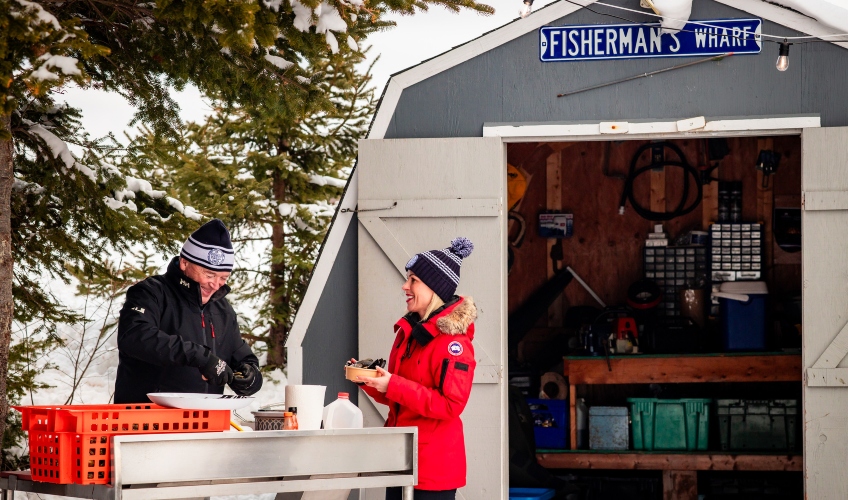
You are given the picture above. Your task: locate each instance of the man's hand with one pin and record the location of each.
(380, 382)
(216, 371)
(244, 379)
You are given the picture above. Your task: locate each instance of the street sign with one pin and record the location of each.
(632, 41)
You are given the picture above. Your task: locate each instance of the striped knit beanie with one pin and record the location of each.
(210, 247)
(439, 269)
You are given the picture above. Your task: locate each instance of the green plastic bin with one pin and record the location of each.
(670, 424)
(758, 425)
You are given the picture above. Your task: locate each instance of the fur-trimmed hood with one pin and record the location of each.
(458, 319)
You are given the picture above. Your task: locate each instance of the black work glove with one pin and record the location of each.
(245, 379)
(216, 371)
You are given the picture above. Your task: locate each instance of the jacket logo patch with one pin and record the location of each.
(138, 309)
(184, 283)
(215, 257)
(220, 367)
(455, 348)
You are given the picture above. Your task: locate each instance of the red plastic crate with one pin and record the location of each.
(73, 444)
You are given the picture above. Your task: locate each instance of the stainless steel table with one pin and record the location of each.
(164, 466)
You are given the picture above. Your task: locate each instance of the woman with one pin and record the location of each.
(431, 367)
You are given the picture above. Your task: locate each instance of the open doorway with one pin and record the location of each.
(614, 356)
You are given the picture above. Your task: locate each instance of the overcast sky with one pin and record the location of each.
(414, 39)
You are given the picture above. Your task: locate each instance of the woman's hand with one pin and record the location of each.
(380, 382)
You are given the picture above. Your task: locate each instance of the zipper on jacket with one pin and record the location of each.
(408, 353)
(445, 364)
(203, 324)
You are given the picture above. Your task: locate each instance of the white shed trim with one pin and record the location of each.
(760, 125)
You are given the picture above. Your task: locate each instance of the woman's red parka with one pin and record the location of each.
(432, 366)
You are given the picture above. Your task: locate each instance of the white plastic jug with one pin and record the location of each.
(342, 414)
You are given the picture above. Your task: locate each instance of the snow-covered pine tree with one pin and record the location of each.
(273, 172)
(240, 52)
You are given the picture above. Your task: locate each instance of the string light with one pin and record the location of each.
(782, 63)
(526, 8)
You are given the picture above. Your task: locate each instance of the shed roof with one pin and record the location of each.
(768, 10)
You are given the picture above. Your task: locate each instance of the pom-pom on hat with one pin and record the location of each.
(210, 247)
(439, 269)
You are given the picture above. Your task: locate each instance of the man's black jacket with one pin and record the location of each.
(165, 334)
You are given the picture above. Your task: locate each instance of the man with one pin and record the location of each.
(177, 332)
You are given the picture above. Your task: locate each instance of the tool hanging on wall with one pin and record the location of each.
(688, 170)
(714, 151)
(518, 239)
(516, 188)
(767, 163)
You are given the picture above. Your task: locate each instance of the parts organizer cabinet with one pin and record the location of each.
(679, 468)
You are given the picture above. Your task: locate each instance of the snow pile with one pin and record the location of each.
(319, 209)
(279, 62)
(325, 18)
(121, 199)
(323, 180)
(41, 15)
(675, 14)
(19, 185)
(67, 65)
(831, 13)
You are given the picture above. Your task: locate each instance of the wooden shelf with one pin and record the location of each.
(647, 369)
(668, 369)
(669, 461)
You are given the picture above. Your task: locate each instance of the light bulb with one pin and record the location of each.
(782, 63)
(526, 8)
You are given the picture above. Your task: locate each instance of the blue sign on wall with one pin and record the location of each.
(630, 41)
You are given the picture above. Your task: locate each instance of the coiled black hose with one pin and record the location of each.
(681, 209)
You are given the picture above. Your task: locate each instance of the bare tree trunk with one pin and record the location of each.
(279, 330)
(6, 303)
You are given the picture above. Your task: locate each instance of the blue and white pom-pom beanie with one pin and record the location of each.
(439, 269)
(210, 247)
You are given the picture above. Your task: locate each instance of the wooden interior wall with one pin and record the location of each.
(606, 249)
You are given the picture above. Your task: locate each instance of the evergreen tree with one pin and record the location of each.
(274, 177)
(57, 208)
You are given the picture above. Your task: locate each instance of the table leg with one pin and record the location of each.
(680, 485)
(408, 491)
(572, 424)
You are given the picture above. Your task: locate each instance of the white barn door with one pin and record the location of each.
(416, 195)
(825, 315)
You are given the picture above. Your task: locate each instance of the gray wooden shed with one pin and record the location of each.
(433, 168)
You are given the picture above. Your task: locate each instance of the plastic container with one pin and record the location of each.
(531, 493)
(293, 410)
(758, 425)
(608, 429)
(73, 444)
(743, 315)
(342, 414)
(289, 422)
(582, 424)
(265, 420)
(550, 423)
(670, 424)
